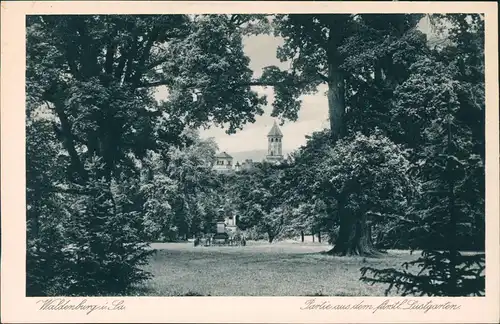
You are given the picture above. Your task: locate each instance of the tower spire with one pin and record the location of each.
(275, 131)
(274, 144)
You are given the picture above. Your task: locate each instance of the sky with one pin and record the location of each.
(313, 115)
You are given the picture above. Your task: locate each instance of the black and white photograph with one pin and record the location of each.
(178, 155)
(235, 154)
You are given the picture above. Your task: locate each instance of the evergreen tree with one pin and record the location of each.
(45, 212)
(450, 169)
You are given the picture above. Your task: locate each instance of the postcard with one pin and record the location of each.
(249, 162)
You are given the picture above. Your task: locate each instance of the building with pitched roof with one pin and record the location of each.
(223, 162)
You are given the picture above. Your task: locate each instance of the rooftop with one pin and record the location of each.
(224, 155)
(275, 130)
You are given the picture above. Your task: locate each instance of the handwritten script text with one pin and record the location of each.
(405, 304)
(64, 304)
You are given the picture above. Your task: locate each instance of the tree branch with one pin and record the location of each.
(89, 59)
(155, 64)
(397, 217)
(110, 54)
(322, 77)
(72, 191)
(131, 56)
(121, 65)
(69, 141)
(154, 84)
(153, 35)
(70, 56)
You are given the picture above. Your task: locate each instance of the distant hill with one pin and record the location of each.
(255, 155)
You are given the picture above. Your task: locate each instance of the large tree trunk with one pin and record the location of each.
(354, 234)
(354, 238)
(336, 101)
(336, 82)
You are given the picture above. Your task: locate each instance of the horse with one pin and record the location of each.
(237, 239)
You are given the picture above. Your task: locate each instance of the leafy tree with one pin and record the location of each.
(306, 217)
(377, 59)
(64, 256)
(42, 150)
(360, 58)
(181, 195)
(258, 201)
(418, 105)
(369, 177)
(368, 172)
(159, 191)
(313, 205)
(95, 78)
(342, 51)
(112, 62)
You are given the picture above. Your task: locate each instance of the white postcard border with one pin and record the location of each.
(15, 307)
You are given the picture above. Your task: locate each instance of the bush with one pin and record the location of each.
(96, 249)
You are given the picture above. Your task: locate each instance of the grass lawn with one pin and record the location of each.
(261, 269)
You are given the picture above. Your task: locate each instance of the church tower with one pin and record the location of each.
(274, 144)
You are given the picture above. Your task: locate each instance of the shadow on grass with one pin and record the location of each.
(147, 291)
(379, 255)
(320, 294)
(144, 291)
(193, 294)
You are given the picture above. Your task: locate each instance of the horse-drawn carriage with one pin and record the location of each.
(220, 240)
(223, 237)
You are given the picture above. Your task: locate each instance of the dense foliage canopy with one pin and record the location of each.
(105, 159)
